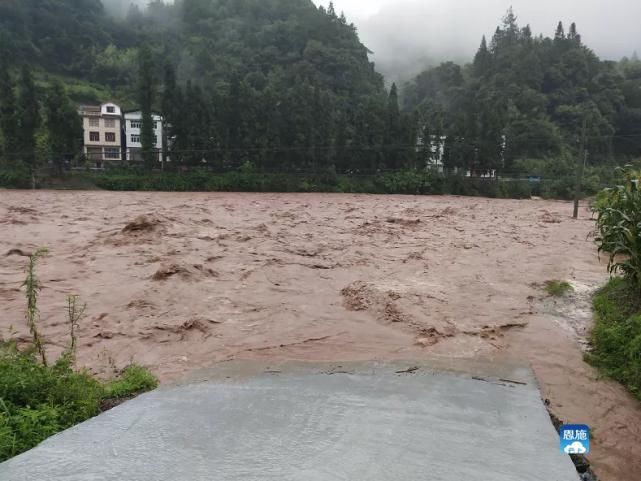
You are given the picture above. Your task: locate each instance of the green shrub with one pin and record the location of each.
(520, 189)
(37, 401)
(410, 182)
(616, 336)
(15, 179)
(558, 288)
(559, 188)
(25, 427)
(134, 380)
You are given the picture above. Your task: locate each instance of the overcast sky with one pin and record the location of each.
(405, 35)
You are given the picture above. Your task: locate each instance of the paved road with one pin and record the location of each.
(314, 422)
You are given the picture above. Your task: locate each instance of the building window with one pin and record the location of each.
(155, 140)
(94, 136)
(155, 125)
(110, 137)
(111, 153)
(94, 122)
(110, 123)
(111, 109)
(135, 124)
(94, 153)
(135, 138)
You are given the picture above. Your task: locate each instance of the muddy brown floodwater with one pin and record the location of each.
(183, 281)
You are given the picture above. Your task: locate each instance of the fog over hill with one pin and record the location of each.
(408, 35)
(121, 7)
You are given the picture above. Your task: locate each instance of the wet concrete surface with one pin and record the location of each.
(315, 421)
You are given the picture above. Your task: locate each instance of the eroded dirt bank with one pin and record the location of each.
(182, 281)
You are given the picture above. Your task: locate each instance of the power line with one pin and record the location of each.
(311, 148)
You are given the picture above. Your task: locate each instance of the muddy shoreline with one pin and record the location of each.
(181, 281)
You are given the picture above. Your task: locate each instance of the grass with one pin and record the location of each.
(39, 399)
(557, 288)
(133, 380)
(408, 182)
(616, 336)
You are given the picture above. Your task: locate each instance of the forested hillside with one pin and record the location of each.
(278, 83)
(283, 85)
(521, 104)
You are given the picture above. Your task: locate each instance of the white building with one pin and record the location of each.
(435, 151)
(133, 124)
(102, 128)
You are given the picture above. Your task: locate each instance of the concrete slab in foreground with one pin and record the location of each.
(313, 422)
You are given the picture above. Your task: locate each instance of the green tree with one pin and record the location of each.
(331, 10)
(482, 60)
(196, 126)
(64, 125)
(8, 116)
(427, 143)
(146, 90)
(573, 35)
(510, 26)
(559, 35)
(171, 103)
(30, 120)
(525, 97)
(393, 136)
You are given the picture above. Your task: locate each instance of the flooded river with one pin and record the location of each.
(183, 281)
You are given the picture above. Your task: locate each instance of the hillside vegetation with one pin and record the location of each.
(520, 106)
(285, 86)
(616, 336)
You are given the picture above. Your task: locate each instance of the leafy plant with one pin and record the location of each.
(32, 288)
(618, 226)
(75, 311)
(37, 401)
(133, 380)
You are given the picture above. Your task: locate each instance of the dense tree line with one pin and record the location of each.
(277, 84)
(526, 98)
(281, 85)
(36, 125)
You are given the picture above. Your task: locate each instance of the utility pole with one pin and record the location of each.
(580, 168)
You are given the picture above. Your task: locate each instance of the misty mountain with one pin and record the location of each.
(266, 82)
(283, 84)
(526, 101)
(204, 39)
(120, 8)
(409, 35)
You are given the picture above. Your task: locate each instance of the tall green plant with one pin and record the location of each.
(75, 312)
(32, 288)
(618, 226)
